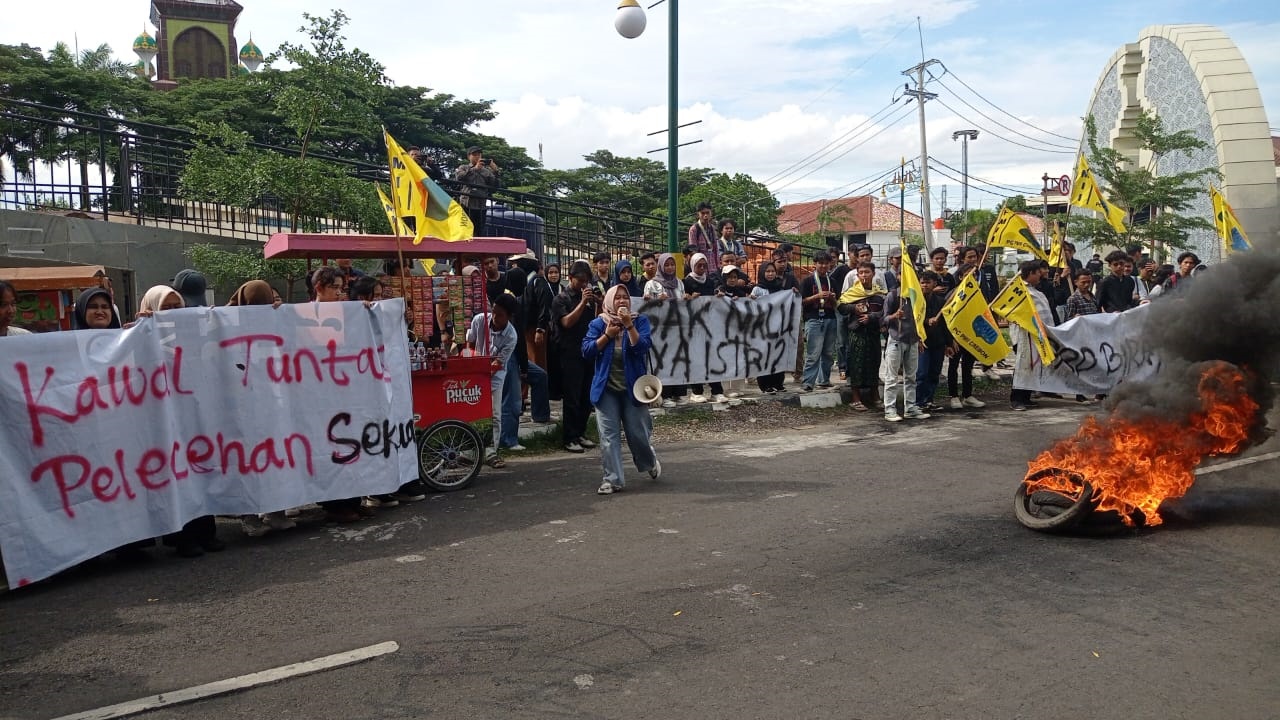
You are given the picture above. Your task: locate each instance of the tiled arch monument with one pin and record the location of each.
(1195, 79)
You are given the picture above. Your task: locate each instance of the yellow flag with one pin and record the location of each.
(1010, 230)
(911, 290)
(1014, 304)
(397, 223)
(971, 323)
(1056, 257)
(1085, 194)
(1229, 230)
(415, 195)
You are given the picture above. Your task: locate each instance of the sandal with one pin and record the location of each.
(496, 462)
(858, 406)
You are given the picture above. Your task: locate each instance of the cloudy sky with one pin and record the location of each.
(800, 94)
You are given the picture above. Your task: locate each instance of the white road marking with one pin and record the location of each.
(410, 558)
(222, 687)
(1238, 463)
(668, 531)
(557, 522)
(783, 495)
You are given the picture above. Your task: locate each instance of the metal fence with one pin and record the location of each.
(119, 170)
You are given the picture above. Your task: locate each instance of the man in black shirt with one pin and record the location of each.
(818, 310)
(1118, 291)
(572, 311)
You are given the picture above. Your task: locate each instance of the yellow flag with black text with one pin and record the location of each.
(1014, 304)
(1085, 194)
(912, 290)
(417, 196)
(1057, 258)
(398, 227)
(1011, 231)
(1229, 230)
(971, 323)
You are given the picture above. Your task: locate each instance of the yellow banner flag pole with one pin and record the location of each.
(395, 202)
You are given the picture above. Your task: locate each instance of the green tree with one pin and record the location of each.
(972, 226)
(229, 267)
(1154, 203)
(732, 196)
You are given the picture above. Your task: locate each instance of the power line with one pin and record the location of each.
(1001, 137)
(985, 182)
(997, 122)
(864, 184)
(843, 138)
(979, 187)
(1006, 112)
(896, 121)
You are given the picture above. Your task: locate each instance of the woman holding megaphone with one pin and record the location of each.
(618, 342)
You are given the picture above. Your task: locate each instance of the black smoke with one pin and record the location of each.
(1228, 312)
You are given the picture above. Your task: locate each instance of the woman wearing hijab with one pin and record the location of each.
(625, 275)
(95, 311)
(665, 285)
(770, 282)
(618, 344)
(699, 282)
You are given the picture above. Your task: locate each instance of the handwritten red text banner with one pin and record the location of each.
(114, 436)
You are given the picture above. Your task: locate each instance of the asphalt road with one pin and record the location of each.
(860, 571)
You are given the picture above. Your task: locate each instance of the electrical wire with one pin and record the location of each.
(1028, 190)
(1006, 112)
(960, 115)
(1006, 127)
(895, 122)
(979, 188)
(842, 139)
(860, 185)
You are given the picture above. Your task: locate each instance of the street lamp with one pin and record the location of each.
(630, 22)
(964, 136)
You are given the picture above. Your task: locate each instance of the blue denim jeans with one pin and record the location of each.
(928, 374)
(616, 414)
(512, 407)
(819, 350)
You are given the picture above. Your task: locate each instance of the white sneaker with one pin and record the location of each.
(719, 398)
(973, 402)
(656, 471)
(993, 375)
(668, 403)
(956, 404)
(893, 417)
(606, 488)
(734, 395)
(517, 447)
(915, 413)
(697, 398)
(682, 400)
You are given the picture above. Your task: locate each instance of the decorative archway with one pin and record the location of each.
(198, 53)
(1195, 78)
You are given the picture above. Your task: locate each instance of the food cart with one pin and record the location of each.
(449, 392)
(46, 295)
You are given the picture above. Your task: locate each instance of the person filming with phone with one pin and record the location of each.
(479, 178)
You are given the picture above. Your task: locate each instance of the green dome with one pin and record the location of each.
(242, 70)
(144, 42)
(251, 52)
(142, 69)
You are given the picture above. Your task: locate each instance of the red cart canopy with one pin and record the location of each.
(316, 245)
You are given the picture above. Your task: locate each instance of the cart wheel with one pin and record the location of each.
(449, 455)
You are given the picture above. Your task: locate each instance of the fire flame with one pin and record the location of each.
(1134, 465)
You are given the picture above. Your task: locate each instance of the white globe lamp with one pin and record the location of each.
(630, 20)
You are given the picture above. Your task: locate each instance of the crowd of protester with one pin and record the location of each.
(570, 334)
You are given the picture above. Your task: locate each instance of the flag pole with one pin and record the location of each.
(395, 204)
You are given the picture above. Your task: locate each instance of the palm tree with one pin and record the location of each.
(94, 66)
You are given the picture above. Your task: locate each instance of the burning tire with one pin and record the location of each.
(1051, 510)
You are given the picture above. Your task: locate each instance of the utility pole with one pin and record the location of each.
(965, 136)
(921, 96)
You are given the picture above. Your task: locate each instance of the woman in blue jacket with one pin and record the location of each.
(619, 343)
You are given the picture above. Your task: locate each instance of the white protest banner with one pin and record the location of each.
(1094, 354)
(113, 436)
(714, 338)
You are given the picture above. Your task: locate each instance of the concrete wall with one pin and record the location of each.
(152, 255)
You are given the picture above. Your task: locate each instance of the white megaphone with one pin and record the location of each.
(647, 388)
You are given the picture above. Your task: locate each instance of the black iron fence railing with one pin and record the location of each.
(120, 170)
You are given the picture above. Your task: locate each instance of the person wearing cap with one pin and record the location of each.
(888, 278)
(479, 179)
(572, 312)
(191, 285)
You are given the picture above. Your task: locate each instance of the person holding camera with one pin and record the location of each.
(479, 178)
(572, 311)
